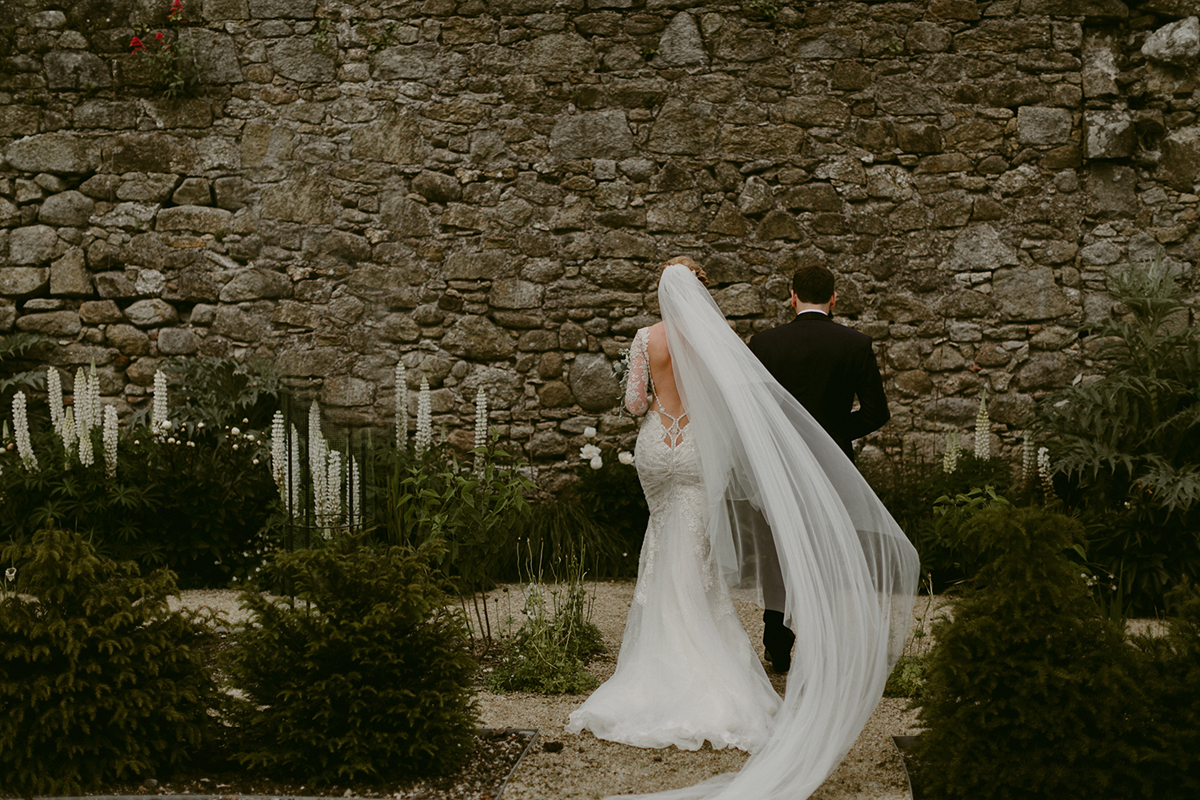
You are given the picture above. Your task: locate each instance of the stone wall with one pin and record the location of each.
(485, 188)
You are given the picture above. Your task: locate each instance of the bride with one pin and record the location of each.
(745, 489)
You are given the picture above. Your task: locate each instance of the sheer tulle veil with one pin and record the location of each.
(850, 575)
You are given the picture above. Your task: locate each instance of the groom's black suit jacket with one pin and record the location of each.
(825, 366)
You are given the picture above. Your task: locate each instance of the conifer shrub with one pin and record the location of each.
(1168, 670)
(364, 674)
(1027, 690)
(99, 679)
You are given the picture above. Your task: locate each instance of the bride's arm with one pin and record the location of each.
(637, 395)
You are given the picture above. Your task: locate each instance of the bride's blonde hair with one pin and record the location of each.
(692, 265)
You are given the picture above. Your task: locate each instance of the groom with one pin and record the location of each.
(825, 366)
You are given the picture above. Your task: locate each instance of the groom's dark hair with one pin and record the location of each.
(813, 284)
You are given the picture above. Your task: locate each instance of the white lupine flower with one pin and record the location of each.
(424, 437)
(401, 407)
(294, 487)
(1028, 461)
(983, 430)
(70, 437)
(54, 396)
(109, 427)
(21, 430)
(950, 457)
(355, 486)
(158, 411)
(278, 452)
(317, 454)
(87, 455)
(596, 463)
(625, 457)
(1045, 472)
(481, 418)
(589, 451)
(82, 407)
(93, 398)
(589, 432)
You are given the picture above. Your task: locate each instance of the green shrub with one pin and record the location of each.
(1127, 446)
(472, 509)
(198, 508)
(1027, 688)
(220, 391)
(366, 678)
(547, 655)
(911, 489)
(564, 529)
(99, 680)
(1168, 670)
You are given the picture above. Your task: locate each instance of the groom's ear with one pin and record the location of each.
(793, 301)
(832, 300)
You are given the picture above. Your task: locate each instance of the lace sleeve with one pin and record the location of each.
(637, 390)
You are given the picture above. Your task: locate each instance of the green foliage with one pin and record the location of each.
(173, 59)
(548, 653)
(198, 508)
(366, 678)
(764, 9)
(1128, 444)
(564, 529)
(220, 391)
(1025, 694)
(911, 490)
(99, 680)
(13, 347)
(472, 509)
(1168, 671)
(908, 677)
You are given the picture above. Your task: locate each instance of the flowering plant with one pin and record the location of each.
(174, 63)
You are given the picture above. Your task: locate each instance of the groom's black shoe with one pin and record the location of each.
(778, 641)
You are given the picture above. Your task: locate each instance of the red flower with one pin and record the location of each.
(159, 36)
(136, 44)
(177, 5)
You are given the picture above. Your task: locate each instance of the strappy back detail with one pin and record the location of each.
(675, 429)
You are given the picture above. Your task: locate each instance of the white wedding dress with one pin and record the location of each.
(686, 672)
(750, 493)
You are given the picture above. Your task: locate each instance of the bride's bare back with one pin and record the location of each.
(666, 392)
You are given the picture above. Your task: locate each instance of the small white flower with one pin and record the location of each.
(236, 432)
(10, 574)
(249, 437)
(189, 444)
(589, 451)
(596, 463)
(625, 457)
(199, 424)
(254, 461)
(589, 432)
(245, 421)
(170, 440)
(235, 447)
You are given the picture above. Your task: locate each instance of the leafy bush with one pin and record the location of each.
(1168, 671)
(473, 510)
(548, 653)
(911, 490)
(1026, 690)
(564, 529)
(1128, 444)
(367, 678)
(14, 347)
(197, 505)
(99, 680)
(220, 391)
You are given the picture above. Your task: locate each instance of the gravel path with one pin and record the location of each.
(587, 767)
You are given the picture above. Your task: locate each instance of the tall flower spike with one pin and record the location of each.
(70, 436)
(293, 496)
(81, 404)
(109, 427)
(481, 418)
(21, 429)
(401, 407)
(1045, 472)
(317, 457)
(983, 430)
(1028, 461)
(54, 395)
(279, 453)
(950, 457)
(424, 437)
(158, 411)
